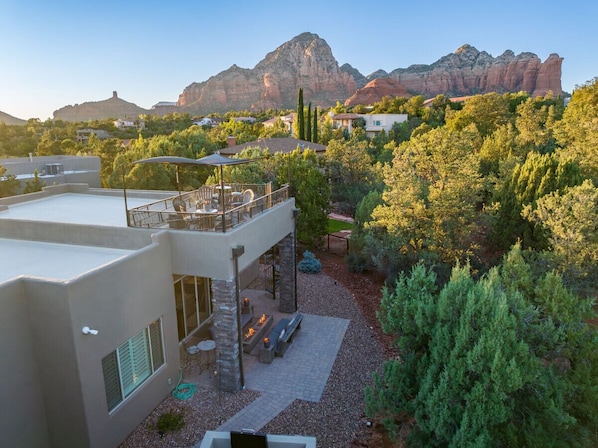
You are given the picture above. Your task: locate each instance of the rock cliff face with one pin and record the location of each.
(305, 61)
(468, 71)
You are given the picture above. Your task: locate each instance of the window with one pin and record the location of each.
(377, 122)
(126, 368)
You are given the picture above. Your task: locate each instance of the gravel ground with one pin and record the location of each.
(337, 420)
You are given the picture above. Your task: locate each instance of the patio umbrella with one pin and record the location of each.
(173, 160)
(219, 160)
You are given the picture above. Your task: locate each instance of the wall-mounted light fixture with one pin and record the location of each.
(87, 330)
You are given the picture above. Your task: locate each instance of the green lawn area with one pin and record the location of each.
(336, 226)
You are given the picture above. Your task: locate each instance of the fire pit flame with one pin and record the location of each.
(250, 333)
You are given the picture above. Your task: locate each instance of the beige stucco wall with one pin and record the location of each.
(23, 422)
(52, 389)
(56, 374)
(209, 254)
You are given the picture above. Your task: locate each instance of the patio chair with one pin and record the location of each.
(182, 219)
(248, 196)
(204, 196)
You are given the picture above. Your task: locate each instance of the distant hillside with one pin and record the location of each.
(9, 119)
(99, 110)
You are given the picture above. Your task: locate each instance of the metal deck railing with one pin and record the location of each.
(208, 208)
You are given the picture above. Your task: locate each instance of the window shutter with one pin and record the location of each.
(134, 362)
(111, 382)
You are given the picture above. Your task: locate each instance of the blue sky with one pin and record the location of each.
(64, 52)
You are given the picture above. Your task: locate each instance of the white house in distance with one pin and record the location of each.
(374, 123)
(129, 124)
(287, 121)
(100, 290)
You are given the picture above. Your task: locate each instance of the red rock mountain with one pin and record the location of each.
(468, 71)
(376, 89)
(305, 61)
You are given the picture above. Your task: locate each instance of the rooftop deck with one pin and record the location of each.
(210, 208)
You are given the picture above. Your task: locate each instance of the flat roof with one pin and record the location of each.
(57, 261)
(54, 261)
(76, 208)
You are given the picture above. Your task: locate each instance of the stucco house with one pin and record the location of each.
(100, 289)
(374, 123)
(53, 170)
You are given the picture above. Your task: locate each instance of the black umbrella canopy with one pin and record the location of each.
(217, 159)
(173, 160)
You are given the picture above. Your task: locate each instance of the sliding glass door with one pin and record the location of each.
(193, 304)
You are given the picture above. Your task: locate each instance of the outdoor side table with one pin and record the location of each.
(207, 353)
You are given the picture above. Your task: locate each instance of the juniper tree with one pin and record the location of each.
(503, 361)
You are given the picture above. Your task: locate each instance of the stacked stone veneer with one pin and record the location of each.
(226, 333)
(226, 324)
(288, 277)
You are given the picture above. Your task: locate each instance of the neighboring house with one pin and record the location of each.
(287, 121)
(94, 313)
(164, 108)
(374, 123)
(205, 121)
(54, 170)
(129, 124)
(245, 119)
(83, 134)
(274, 145)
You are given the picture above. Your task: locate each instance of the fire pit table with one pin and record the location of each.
(256, 332)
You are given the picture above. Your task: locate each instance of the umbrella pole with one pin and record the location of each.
(222, 199)
(178, 186)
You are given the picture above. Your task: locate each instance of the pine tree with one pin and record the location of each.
(35, 184)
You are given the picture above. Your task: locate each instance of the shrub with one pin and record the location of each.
(170, 421)
(310, 264)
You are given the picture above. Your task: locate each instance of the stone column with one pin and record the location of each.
(226, 334)
(288, 274)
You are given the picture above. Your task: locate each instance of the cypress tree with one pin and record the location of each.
(308, 127)
(314, 134)
(300, 117)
